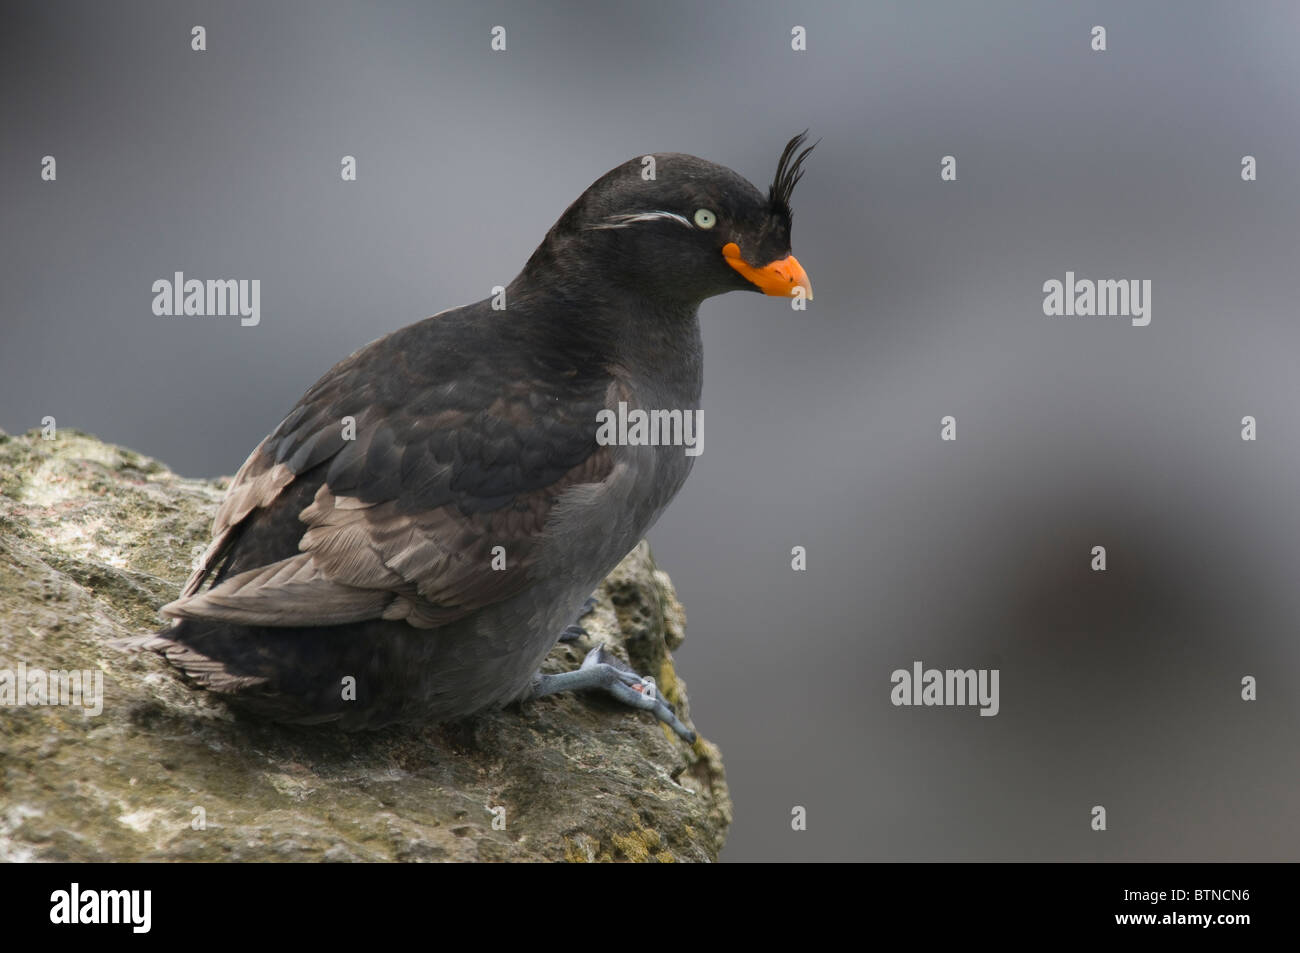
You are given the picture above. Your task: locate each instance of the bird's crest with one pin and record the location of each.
(789, 170)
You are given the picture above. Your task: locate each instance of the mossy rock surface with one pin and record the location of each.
(94, 538)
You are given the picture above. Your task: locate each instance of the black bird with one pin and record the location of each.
(414, 537)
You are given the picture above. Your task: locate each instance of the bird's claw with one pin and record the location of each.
(600, 669)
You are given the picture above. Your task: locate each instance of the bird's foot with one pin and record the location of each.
(576, 631)
(602, 670)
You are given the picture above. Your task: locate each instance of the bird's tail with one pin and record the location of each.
(196, 666)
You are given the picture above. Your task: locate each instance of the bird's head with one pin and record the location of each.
(675, 226)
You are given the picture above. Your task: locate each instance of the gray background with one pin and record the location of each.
(1120, 689)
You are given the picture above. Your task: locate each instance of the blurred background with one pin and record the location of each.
(1119, 688)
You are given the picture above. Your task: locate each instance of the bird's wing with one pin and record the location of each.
(435, 509)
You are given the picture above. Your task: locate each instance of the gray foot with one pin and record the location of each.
(602, 670)
(576, 631)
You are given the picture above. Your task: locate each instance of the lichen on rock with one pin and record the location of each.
(94, 538)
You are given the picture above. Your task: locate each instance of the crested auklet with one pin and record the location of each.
(427, 521)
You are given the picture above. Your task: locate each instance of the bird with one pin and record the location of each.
(432, 516)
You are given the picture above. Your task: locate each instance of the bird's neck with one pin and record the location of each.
(651, 343)
(662, 356)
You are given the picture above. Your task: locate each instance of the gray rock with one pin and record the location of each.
(94, 538)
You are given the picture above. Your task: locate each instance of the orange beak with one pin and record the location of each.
(780, 277)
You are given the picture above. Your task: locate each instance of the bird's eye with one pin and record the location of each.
(705, 219)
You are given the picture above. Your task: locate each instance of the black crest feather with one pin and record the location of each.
(789, 170)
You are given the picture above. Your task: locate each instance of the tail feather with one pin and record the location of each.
(201, 669)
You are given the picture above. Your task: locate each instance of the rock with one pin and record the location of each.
(94, 538)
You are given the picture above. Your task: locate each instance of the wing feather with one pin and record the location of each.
(406, 519)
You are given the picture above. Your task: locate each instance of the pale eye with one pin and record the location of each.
(705, 219)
